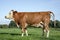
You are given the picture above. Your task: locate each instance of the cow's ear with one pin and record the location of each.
(14, 12)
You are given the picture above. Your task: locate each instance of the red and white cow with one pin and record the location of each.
(33, 18)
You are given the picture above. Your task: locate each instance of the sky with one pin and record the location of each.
(28, 6)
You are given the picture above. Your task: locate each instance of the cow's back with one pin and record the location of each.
(36, 17)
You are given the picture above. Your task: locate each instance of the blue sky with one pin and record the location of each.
(28, 5)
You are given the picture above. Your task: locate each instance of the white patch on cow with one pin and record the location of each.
(22, 34)
(26, 24)
(39, 24)
(11, 14)
(17, 25)
(47, 34)
(34, 25)
(44, 30)
(26, 30)
(26, 33)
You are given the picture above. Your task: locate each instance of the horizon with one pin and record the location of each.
(28, 6)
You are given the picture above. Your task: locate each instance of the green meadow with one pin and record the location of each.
(34, 34)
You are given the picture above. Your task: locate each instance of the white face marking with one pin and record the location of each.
(10, 15)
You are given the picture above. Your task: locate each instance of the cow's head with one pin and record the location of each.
(10, 15)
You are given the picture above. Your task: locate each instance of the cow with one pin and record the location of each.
(32, 18)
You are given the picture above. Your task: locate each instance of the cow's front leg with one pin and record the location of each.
(24, 30)
(46, 30)
(47, 33)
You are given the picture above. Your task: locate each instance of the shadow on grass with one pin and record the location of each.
(55, 37)
(11, 33)
(44, 38)
(14, 34)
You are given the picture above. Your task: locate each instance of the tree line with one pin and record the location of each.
(13, 25)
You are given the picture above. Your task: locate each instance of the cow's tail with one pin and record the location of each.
(53, 18)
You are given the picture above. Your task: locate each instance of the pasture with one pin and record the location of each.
(34, 34)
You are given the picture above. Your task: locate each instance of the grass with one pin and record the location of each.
(34, 34)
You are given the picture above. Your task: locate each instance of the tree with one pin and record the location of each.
(3, 26)
(12, 24)
(57, 24)
(51, 23)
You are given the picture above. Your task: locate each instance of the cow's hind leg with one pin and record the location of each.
(46, 25)
(46, 30)
(43, 31)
